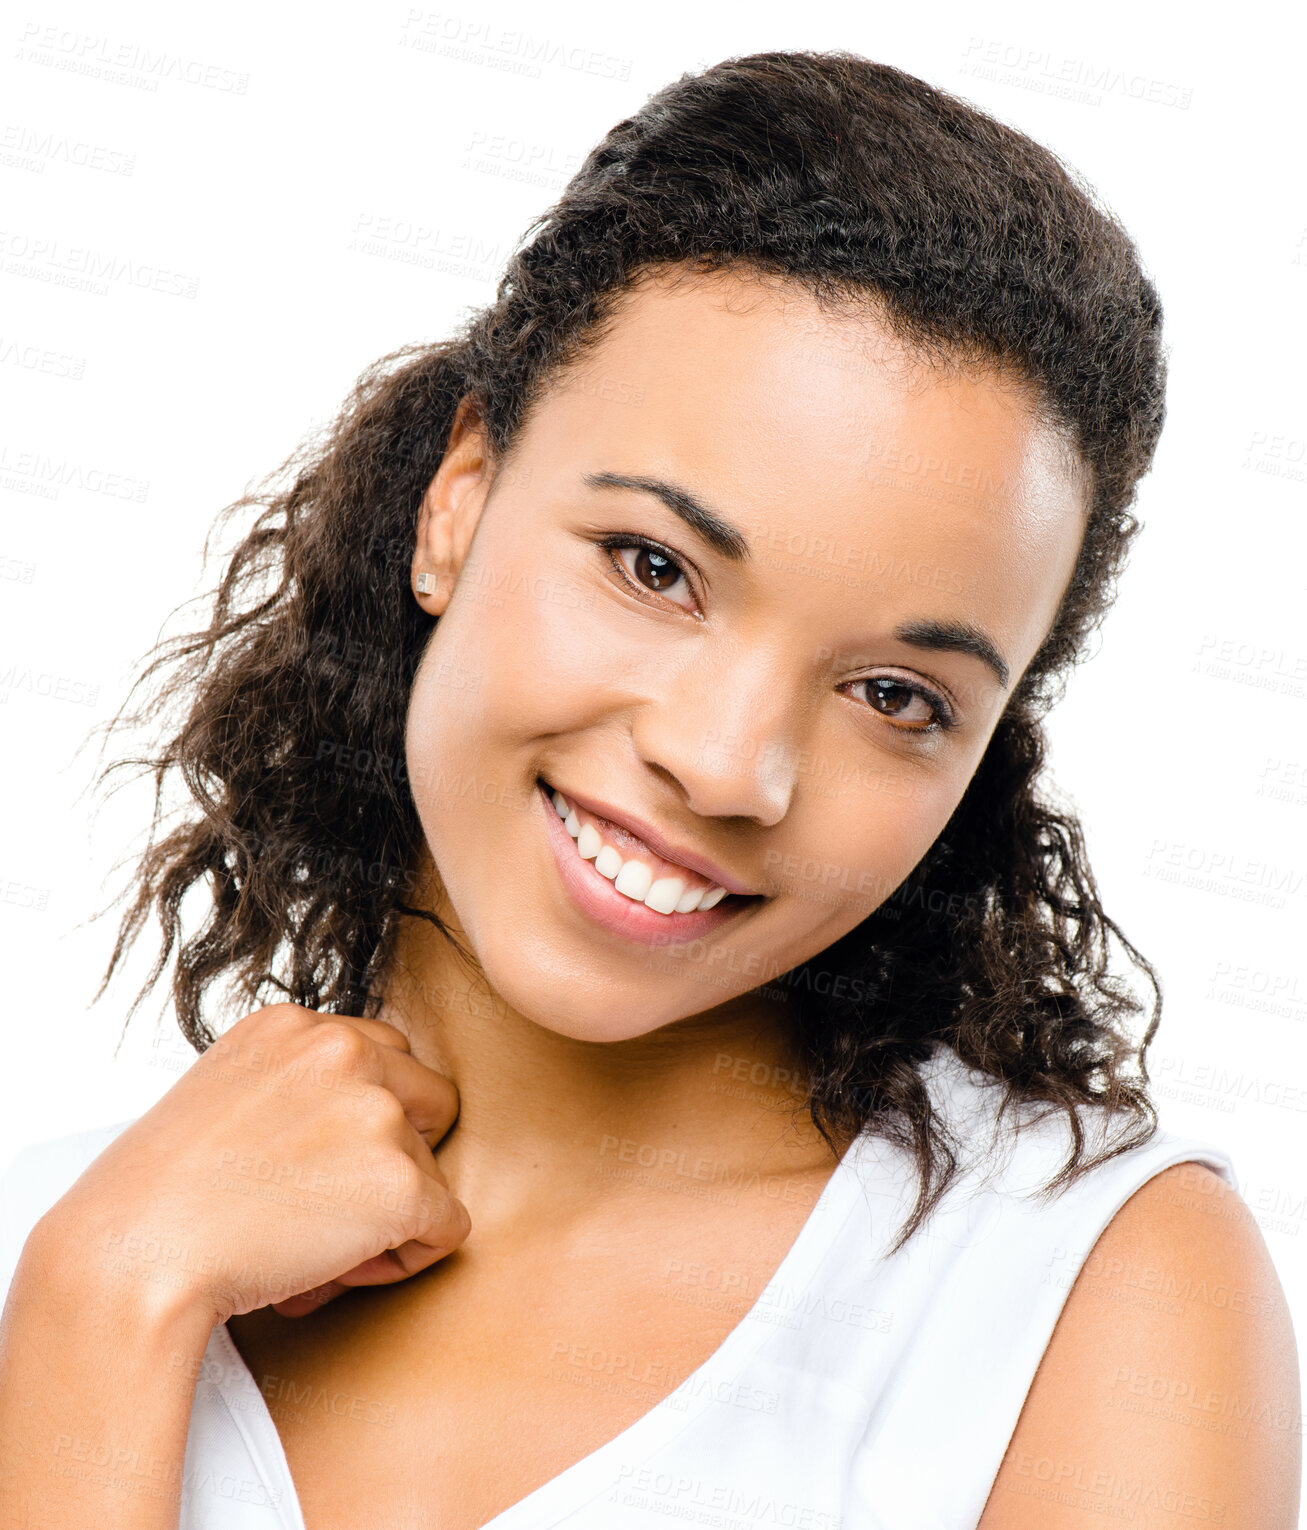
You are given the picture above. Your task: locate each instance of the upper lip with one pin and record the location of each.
(658, 843)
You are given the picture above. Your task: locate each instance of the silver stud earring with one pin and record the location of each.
(426, 584)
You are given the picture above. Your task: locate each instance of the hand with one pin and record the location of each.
(291, 1161)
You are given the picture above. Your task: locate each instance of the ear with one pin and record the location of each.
(450, 510)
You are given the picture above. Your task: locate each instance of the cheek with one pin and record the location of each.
(512, 661)
(859, 845)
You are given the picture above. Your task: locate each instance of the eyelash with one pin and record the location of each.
(634, 539)
(942, 717)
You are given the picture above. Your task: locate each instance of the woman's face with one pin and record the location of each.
(752, 584)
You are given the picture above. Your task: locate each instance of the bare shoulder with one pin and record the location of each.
(1169, 1391)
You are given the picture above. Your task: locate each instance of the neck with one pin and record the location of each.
(714, 1098)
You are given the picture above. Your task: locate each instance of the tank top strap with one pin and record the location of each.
(979, 1290)
(35, 1178)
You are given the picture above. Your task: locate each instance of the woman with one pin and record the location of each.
(687, 1078)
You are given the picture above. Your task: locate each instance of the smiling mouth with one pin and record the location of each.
(634, 870)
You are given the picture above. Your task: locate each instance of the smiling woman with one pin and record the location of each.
(617, 751)
(713, 707)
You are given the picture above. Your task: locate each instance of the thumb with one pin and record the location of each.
(386, 1268)
(309, 1301)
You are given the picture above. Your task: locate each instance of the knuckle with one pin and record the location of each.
(436, 1219)
(274, 1024)
(393, 1196)
(394, 1034)
(384, 1111)
(338, 1045)
(438, 1209)
(279, 1017)
(415, 1192)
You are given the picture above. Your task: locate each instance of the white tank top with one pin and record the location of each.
(825, 1406)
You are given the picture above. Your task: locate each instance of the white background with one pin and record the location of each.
(246, 152)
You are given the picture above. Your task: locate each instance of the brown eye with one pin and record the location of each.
(653, 569)
(649, 568)
(895, 699)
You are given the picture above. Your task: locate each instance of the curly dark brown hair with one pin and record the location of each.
(857, 182)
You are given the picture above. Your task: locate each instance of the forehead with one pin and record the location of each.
(808, 427)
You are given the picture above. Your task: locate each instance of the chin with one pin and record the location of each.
(585, 1004)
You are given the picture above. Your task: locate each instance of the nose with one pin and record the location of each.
(727, 736)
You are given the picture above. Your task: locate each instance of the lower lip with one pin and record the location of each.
(596, 896)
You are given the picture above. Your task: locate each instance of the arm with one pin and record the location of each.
(122, 1281)
(1169, 1392)
(92, 1433)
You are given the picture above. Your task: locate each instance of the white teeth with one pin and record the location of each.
(608, 863)
(664, 895)
(632, 877)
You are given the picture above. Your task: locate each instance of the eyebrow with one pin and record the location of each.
(954, 637)
(730, 542)
(713, 528)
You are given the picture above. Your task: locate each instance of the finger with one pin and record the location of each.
(440, 1221)
(400, 1263)
(430, 1100)
(444, 1223)
(377, 1030)
(386, 1268)
(447, 1230)
(440, 1217)
(308, 1301)
(449, 1226)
